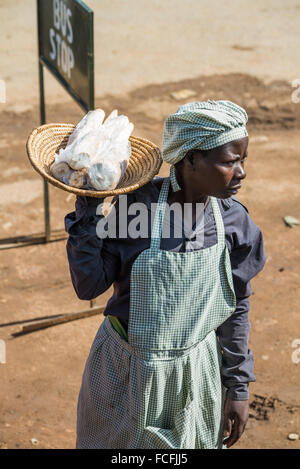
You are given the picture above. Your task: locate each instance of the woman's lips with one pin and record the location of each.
(233, 189)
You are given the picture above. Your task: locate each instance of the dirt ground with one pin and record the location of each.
(40, 381)
(141, 42)
(41, 378)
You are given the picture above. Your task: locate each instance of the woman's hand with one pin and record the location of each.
(235, 418)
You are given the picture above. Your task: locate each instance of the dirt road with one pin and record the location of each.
(138, 43)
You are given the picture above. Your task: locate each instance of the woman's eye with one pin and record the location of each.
(231, 163)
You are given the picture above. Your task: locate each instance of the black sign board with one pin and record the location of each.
(66, 46)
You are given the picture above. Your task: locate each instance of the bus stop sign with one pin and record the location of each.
(66, 46)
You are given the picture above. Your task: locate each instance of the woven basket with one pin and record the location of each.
(42, 144)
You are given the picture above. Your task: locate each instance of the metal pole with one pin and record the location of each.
(91, 73)
(43, 121)
(91, 64)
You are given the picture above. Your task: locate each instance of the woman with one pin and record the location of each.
(170, 365)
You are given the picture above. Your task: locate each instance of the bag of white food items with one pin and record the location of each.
(97, 154)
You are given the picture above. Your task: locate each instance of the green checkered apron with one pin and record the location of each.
(162, 389)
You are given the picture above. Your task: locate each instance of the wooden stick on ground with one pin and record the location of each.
(60, 320)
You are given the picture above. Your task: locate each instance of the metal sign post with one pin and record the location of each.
(66, 49)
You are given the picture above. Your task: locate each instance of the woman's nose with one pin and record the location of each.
(240, 173)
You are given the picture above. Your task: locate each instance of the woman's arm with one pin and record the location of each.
(247, 258)
(93, 262)
(237, 359)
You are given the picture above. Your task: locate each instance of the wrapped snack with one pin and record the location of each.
(90, 122)
(77, 178)
(97, 153)
(60, 170)
(105, 174)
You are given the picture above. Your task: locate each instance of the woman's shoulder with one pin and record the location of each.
(155, 183)
(234, 205)
(236, 215)
(147, 193)
(246, 239)
(238, 223)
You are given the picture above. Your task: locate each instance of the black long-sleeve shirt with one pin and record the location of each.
(96, 263)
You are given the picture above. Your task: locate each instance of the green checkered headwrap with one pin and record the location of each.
(203, 126)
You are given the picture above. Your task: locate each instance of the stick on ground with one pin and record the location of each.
(60, 320)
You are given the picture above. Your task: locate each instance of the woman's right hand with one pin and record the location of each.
(85, 205)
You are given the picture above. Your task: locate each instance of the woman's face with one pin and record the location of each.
(218, 172)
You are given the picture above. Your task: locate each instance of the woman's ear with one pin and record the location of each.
(190, 156)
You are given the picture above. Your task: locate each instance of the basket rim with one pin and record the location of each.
(146, 145)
